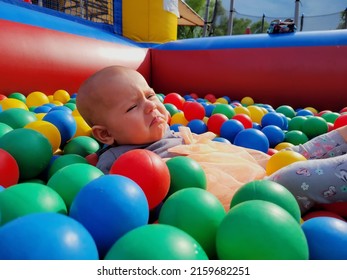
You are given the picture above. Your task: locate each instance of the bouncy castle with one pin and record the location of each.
(46, 50)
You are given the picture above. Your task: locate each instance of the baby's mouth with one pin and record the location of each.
(157, 119)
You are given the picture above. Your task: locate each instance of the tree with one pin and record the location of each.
(343, 20)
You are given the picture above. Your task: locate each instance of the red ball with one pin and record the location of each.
(210, 97)
(2, 96)
(321, 213)
(339, 208)
(175, 99)
(9, 170)
(244, 119)
(92, 158)
(340, 121)
(215, 122)
(271, 151)
(193, 111)
(148, 170)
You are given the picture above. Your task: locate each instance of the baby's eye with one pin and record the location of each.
(130, 108)
(150, 96)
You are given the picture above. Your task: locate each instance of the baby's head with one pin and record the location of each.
(121, 108)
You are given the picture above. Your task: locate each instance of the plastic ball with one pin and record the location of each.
(175, 127)
(46, 236)
(340, 121)
(26, 198)
(210, 97)
(339, 208)
(178, 118)
(327, 238)
(68, 181)
(63, 160)
(272, 118)
(253, 139)
(286, 110)
(244, 119)
(81, 145)
(175, 99)
(314, 126)
(185, 173)
(4, 128)
(42, 109)
(109, 207)
(283, 145)
(82, 129)
(61, 95)
(65, 123)
(48, 130)
(224, 109)
(221, 140)
(241, 110)
(19, 96)
(9, 103)
(209, 109)
(193, 111)
(268, 191)
(247, 101)
(230, 129)
(9, 170)
(215, 122)
(281, 159)
(36, 98)
(296, 123)
(295, 137)
(148, 170)
(197, 126)
(330, 117)
(198, 213)
(256, 113)
(156, 242)
(32, 156)
(274, 134)
(304, 112)
(246, 226)
(172, 109)
(16, 117)
(321, 213)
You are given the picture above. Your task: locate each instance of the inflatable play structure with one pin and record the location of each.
(47, 50)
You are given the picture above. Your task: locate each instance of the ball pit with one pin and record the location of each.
(64, 175)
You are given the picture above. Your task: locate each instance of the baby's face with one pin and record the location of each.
(135, 115)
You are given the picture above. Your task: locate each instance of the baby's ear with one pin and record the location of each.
(101, 134)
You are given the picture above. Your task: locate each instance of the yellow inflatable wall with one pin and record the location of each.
(148, 21)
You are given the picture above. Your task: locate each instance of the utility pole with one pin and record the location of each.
(206, 18)
(231, 18)
(296, 14)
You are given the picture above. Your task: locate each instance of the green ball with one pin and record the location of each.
(27, 198)
(18, 95)
(185, 173)
(72, 106)
(4, 128)
(330, 117)
(314, 126)
(268, 191)
(17, 117)
(156, 242)
(31, 150)
(64, 160)
(296, 123)
(260, 230)
(197, 212)
(286, 110)
(81, 145)
(69, 180)
(172, 109)
(224, 109)
(295, 137)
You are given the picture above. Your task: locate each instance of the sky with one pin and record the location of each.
(282, 9)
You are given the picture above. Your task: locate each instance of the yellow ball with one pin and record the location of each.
(48, 130)
(9, 103)
(247, 101)
(282, 159)
(61, 95)
(178, 118)
(83, 129)
(242, 110)
(36, 98)
(256, 112)
(40, 116)
(311, 109)
(283, 145)
(221, 100)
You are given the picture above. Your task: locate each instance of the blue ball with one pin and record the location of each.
(108, 207)
(65, 123)
(272, 118)
(62, 108)
(304, 112)
(46, 236)
(175, 127)
(42, 109)
(326, 237)
(256, 126)
(221, 139)
(253, 139)
(274, 134)
(230, 129)
(197, 126)
(209, 109)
